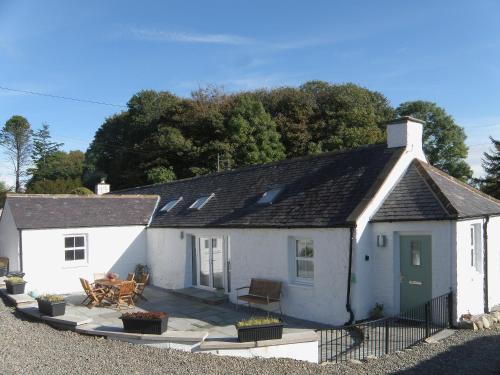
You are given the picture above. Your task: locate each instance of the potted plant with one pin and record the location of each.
(111, 276)
(153, 322)
(15, 285)
(4, 266)
(377, 312)
(51, 305)
(259, 328)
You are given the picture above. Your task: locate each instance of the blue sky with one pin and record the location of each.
(447, 52)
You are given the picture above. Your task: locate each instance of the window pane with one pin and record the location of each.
(305, 269)
(79, 254)
(69, 242)
(69, 255)
(80, 241)
(305, 249)
(415, 253)
(472, 235)
(309, 251)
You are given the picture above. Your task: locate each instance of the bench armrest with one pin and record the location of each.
(243, 287)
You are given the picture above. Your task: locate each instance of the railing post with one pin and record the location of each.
(427, 319)
(450, 309)
(387, 336)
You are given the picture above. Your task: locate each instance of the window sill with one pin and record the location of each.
(301, 284)
(74, 265)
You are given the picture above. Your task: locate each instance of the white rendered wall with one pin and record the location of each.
(117, 249)
(263, 253)
(385, 264)
(362, 294)
(9, 239)
(494, 261)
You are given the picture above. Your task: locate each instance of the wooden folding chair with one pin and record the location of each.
(131, 276)
(125, 294)
(140, 286)
(94, 295)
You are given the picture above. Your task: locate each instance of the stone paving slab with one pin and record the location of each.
(66, 320)
(18, 299)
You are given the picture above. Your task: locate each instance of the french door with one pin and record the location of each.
(211, 263)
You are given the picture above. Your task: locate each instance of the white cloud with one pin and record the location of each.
(184, 37)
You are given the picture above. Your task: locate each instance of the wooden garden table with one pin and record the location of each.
(109, 286)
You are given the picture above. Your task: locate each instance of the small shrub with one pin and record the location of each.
(144, 315)
(4, 262)
(15, 280)
(257, 321)
(377, 312)
(140, 269)
(54, 298)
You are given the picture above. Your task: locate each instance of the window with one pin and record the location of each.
(170, 204)
(74, 248)
(415, 253)
(269, 196)
(475, 248)
(304, 260)
(201, 201)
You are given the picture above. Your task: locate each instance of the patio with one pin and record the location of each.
(184, 314)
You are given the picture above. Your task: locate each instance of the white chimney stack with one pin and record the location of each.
(102, 187)
(406, 132)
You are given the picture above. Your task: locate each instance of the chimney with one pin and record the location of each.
(406, 132)
(102, 187)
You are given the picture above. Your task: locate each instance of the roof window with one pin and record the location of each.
(201, 201)
(269, 196)
(170, 204)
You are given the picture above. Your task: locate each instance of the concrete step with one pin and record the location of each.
(69, 321)
(18, 299)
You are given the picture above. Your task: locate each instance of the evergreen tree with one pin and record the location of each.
(491, 164)
(43, 148)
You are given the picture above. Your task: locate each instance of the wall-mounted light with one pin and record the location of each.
(381, 240)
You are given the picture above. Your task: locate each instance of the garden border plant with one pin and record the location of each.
(15, 285)
(145, 322)
(51, 304)
(259, 328)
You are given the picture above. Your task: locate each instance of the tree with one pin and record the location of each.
(444, 140)
(43, 147)
(491, 164)
(3, 193)
(252, 133)
(61, 173)
(15, 137)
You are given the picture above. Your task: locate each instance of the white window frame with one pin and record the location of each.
(475, 247)
(77, 262)
(294, 258)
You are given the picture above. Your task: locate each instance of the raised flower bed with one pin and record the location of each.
(154, 323)
(15, 285)
(51, 305)
(257, 329)
(4, 266)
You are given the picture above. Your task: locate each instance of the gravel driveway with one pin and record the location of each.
(35, 348)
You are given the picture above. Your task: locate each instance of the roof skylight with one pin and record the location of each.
(201, 201)
(269, 196)
(170, 204)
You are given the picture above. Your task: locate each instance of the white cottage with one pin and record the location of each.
(342, 231)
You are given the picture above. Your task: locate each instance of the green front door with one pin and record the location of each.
(416, 271)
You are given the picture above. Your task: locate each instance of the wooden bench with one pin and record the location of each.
(261, 292)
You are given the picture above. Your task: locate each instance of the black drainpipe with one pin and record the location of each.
(485, 264)
(348, 299)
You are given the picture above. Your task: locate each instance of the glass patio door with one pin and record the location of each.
(211, 263)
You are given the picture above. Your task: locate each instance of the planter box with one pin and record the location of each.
(15, 288)
(3, 271)
(51, 308)
(261, 332)
(146, 326)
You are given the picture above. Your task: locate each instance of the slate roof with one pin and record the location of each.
(40, 211)
(426, 193)
(325, 190)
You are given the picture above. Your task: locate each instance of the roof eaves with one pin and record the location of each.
(381, 178)
(440, 195)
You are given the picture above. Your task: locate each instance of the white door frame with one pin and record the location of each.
(198, 262)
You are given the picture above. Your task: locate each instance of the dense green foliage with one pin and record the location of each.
(162, 137)
(15, 138)
(54, 171)
(491, 164)
(444, 140)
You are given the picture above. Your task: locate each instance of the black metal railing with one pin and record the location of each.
(386, 335)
